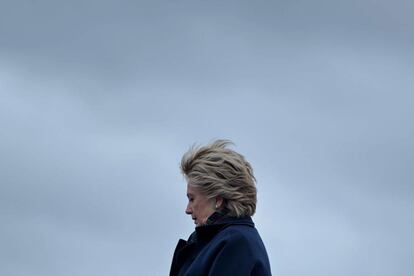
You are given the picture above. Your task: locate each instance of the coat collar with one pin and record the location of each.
(202, 235)
(207, 232)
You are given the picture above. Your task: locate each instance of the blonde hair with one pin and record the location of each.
(217, 170)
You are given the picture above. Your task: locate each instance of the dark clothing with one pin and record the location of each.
(226, 246)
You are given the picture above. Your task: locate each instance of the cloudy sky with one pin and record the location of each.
(99, 100)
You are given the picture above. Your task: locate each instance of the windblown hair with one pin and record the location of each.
(217, 170)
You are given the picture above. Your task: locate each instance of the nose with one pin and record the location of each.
(188, 210)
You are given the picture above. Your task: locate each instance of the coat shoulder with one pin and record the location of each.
(239, 248)
(244, 238)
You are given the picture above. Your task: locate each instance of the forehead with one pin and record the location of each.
(191, 190)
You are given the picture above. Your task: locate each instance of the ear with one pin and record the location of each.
(219, 202)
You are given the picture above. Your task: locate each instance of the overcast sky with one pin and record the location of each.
(100, 99)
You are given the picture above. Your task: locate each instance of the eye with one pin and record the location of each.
(191, 199)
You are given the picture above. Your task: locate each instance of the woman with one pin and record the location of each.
(221, 195)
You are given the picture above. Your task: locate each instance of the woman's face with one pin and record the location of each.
(199, 206)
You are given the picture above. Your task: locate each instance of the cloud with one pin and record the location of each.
(99, 100)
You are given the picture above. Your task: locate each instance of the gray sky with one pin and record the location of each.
(99, 100)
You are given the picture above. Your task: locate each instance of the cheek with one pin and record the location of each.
(196, 205)
(200, 209)
(206, 209)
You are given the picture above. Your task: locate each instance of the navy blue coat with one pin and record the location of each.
(230, 247)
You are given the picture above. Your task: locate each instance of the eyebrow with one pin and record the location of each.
(190, 195)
